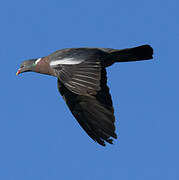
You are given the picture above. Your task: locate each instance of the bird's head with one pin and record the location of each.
(27, 66)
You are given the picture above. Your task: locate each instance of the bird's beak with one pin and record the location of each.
(18, 72)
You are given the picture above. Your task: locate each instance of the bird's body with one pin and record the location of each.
(82, 82)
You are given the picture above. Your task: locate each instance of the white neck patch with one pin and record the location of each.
(37, 60)
(69, 61)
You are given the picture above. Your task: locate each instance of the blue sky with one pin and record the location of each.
(39, 138)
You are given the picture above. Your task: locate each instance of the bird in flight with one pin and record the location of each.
(82, 81)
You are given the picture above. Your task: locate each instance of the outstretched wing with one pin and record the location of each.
(90, 103)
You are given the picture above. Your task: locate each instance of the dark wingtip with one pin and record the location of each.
(146, 51)
(110, 141)
(101, 142)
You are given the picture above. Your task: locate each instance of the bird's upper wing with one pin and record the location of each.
(94, 112)
(78, 68)
(83, 78)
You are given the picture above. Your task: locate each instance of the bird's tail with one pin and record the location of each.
(139, 53)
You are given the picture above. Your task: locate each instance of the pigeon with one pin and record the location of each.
(82, 82)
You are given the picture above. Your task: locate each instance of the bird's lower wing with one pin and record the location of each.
(93, 112)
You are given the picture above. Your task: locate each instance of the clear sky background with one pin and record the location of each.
(40, 139)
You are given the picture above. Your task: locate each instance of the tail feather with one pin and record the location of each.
(139, 53)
